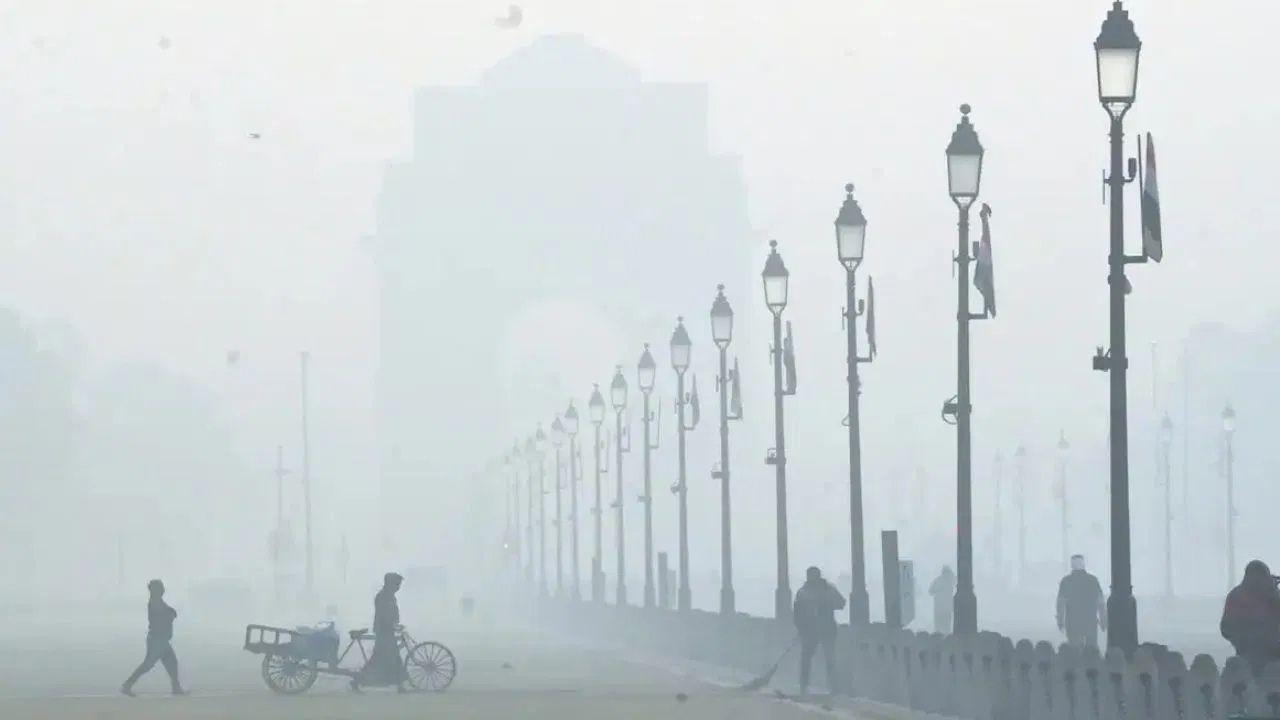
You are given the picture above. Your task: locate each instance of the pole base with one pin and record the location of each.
(684, 600)
(859, 607)
(727, 606)
(966, 612)
(1122, 622)
(597, 587)
(621, 595)
(782, 603)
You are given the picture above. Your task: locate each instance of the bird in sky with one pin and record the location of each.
(255, 136)
(513, 19)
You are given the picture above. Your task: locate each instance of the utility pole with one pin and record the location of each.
(305, 358)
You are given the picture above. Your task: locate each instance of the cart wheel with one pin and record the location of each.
(288, 675)
(430, 666)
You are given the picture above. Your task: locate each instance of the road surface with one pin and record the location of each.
(502, 674)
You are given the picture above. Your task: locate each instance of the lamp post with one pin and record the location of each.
(722, 335)
(540, 452)
(964, 176)
(571, 428)
(595, 407)
(1166, 441)
(646, 371)
(681, 348)
(305, 360)
(1064, 450)
(1116, 50)
(776, 280)
(1228, 435)
(557, 440)
(530, 457)
(851, 236)
(618, 394)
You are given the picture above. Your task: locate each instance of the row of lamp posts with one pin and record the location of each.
(1116, 49)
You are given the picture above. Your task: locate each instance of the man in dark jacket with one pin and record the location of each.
(815, 618)
(1082, 608)
(943, 590)
(160, 619)
(385, 667)
(1251, 616)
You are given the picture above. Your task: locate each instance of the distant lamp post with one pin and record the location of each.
(1064, 456)
(1228, 436)
(530, 457)
(1117, 49)
(727, 385)
(646, 371)
(1020, 467)
(557, 440)
(681, 349)
(571, 429)
(964, 179)
(618, 394)
(540, 452)
(851, 237)
(1166, 442)
(776, 285)
(595, 408)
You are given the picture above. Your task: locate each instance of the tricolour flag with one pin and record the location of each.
(871, 318)
(983, 274)
(1151, 242)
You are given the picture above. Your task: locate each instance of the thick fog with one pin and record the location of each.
(192, 195)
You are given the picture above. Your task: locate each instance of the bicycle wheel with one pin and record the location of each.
(288, 675)
(430, 666)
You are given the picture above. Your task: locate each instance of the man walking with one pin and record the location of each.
(943, 590)
(1082, 608)
(815, 617)
(160, 619)
(384, 666)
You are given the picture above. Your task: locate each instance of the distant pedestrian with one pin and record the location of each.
(814, 614)
(1251, 616)
(943, 590)
(160, 619)
(1082, 608)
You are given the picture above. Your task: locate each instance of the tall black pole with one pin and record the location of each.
(597, 565)
(648, 509)
(782, 596)
(305, 358)
(621, 595)
(573, 513)
(859, 602)
(684, 600)
(1122, 610)
(966, 602)
(727, 604)
(559, 531)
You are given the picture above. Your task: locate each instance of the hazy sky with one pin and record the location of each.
(134, 204)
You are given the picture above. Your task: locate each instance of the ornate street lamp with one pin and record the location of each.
(595, 408)
(646, 370)
(571, 429)
(851, 237)
(618, 394)
(726, 383)
(1117, 49)
(776, 280)
(681, 348)
(964, 179)
(557, 440)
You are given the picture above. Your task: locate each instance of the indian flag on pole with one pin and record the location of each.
(1151, 242)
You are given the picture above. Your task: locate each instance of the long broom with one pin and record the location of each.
(764, 679)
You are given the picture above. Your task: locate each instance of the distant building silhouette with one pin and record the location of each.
(559, 212)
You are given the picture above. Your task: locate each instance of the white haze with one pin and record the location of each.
(144, 234)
